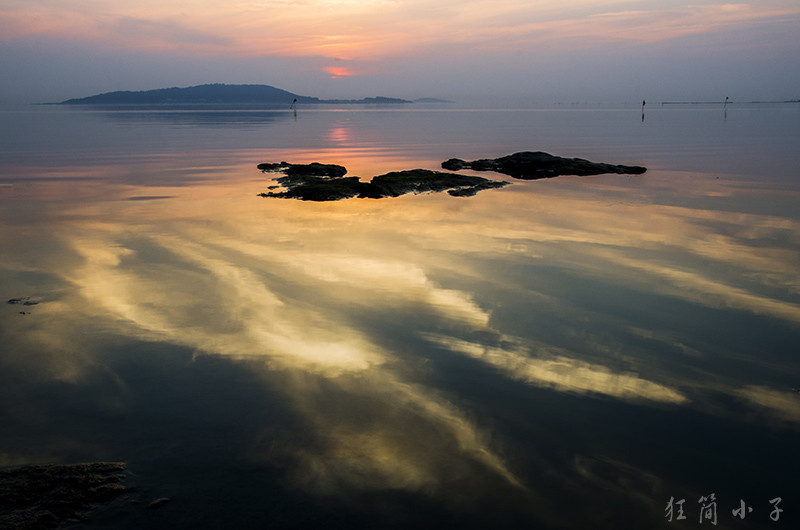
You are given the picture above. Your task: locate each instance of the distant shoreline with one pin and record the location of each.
(217, 106)
(231, 95)
(728, 102)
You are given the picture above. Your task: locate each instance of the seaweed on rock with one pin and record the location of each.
(326, 182)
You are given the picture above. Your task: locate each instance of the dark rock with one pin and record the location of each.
(26, 300)
(48, 495)
(529, 165)
(312, 188)
(268, 167)
(473, 190)
(454, 164)
(399, 183)
(304, 170)
(324, 182)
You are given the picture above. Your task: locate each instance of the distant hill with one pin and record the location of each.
(217, 94)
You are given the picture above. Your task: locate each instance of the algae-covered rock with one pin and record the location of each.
(311, 188)
(312, 169)
(46, 496)
(325, 182)
(398, 183)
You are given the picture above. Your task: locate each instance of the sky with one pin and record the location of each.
(536, 51)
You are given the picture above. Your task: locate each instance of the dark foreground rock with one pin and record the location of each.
(47, 496)
(326, 182)
(399, 183)
(530, 165)
(305, 170)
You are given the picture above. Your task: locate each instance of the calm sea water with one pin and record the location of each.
(563, 353)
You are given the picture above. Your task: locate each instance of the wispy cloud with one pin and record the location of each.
(166, 33)
(370, 30)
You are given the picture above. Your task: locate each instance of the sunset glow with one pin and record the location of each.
(420, 37)
(513, 264)
(338, 71)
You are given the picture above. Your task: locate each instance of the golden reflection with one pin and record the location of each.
(697, 287)
(391, 279)
(219, 296)
(340, 135)
(323, 293)
(744, 256)
(234, 314)
(385, 452)
(784, 405)
(562, 373)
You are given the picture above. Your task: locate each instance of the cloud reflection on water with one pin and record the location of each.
(202, 297)
(783, 404)
(562, 372)
(349, 306)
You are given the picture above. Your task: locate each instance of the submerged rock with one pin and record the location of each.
(530, 165)
(326, 182)
(47, 496)
(25, 300)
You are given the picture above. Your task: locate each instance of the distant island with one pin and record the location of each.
(221, 94)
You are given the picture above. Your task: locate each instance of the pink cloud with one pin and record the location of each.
(335, 72)
(371, 31)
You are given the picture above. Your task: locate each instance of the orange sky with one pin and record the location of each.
(372, 29)
(349, 38)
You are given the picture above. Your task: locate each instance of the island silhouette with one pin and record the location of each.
(221, 94)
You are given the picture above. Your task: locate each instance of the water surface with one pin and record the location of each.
(564, 353)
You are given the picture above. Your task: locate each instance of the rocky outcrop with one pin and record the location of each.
(300, 170)
(399, 183)
(530, 165)
(326, 182)
(48, 496)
